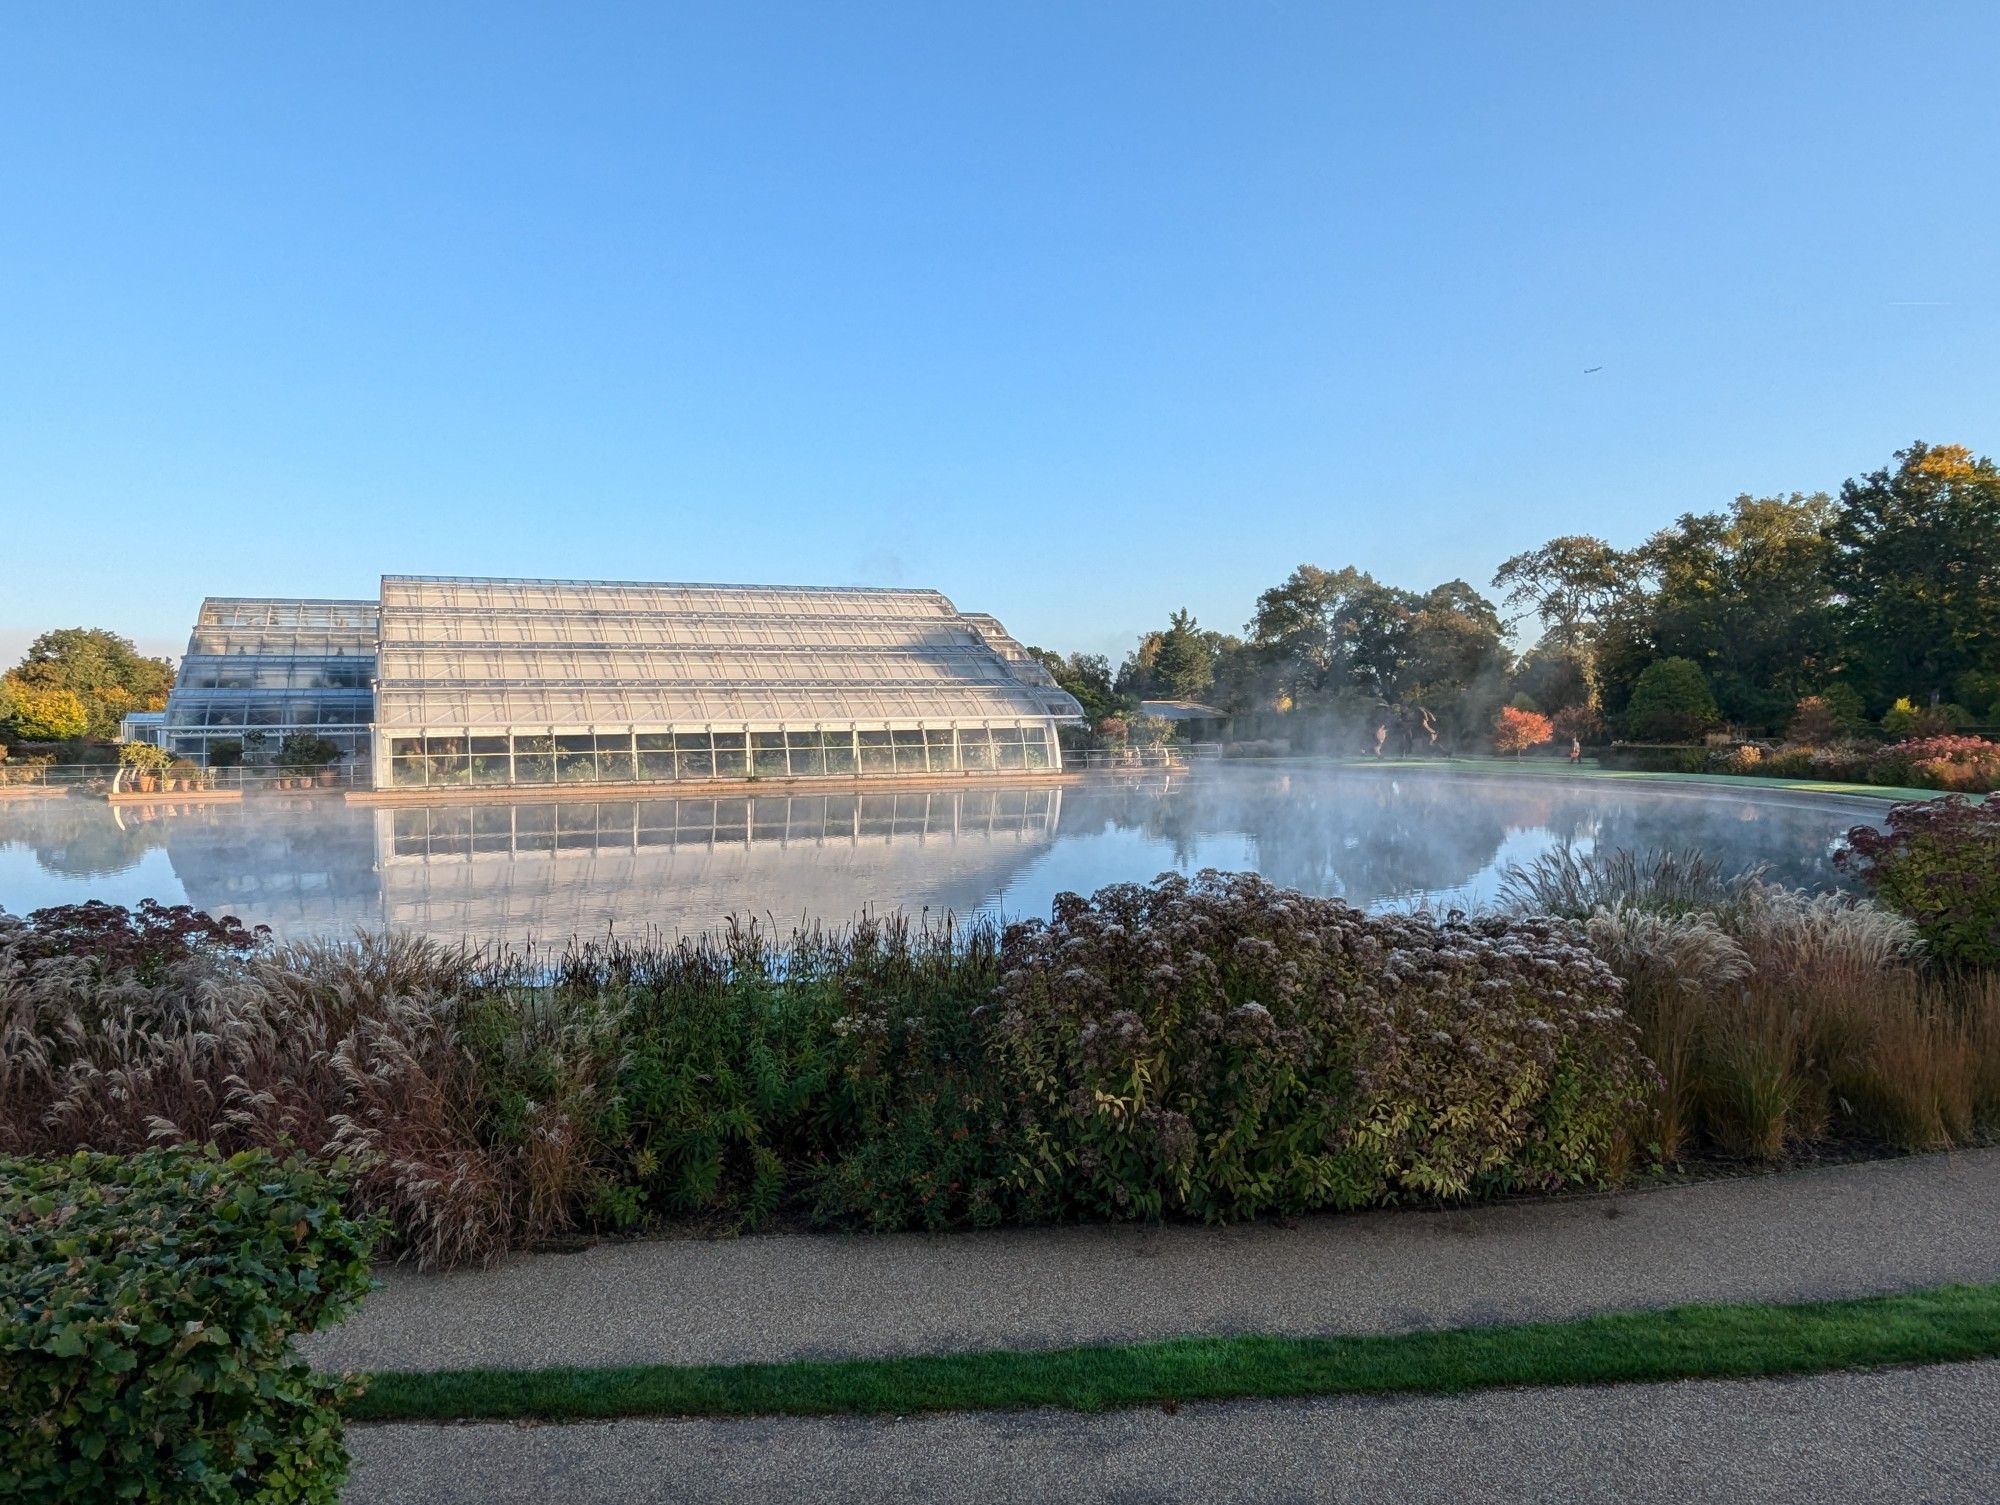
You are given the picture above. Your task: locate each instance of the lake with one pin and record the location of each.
(309, 865)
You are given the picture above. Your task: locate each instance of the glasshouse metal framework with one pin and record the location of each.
(258, 669)
(471, 682)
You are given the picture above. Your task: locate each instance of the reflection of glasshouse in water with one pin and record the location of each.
(556, 869)
(500, 682)
(452, 831)
(553, 869)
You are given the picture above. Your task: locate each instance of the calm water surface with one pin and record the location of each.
(549, 872)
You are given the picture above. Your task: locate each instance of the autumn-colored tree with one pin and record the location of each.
(1516, 730)
(35, 714)
(104, 672)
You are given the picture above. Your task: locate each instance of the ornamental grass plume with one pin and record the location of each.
(1776, 1016)
(357, 1048)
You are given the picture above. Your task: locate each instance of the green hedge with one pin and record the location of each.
(146, 1307)
(1654, 757)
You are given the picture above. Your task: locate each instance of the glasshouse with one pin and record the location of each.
(258, 671)
(460, 682)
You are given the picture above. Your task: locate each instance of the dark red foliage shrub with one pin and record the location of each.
(1938, 862)
(146, 940)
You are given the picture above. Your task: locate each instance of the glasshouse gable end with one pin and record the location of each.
(466, 682)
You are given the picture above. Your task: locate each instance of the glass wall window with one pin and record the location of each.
(576, 759)
(694, 757)
(941, 758)
(442, 761)
(655, 756)
(615, 763)
(975, 748)
(878, 754)
(731, 760)
(534, 760)
(406, 761)
(492, 762)
(808, 754)
(840, 757)
(767, 755)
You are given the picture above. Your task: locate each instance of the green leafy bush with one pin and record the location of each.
(1223, 1047)
(1793, 762)
(1671, 701)
(1938, 862)
(843, 1072)
(1639, 757)
(146, 1305)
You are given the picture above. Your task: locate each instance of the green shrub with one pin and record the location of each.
(1639, 757)
(1223, 1047)
(1671, 701)
(1788, 763)
(1938, 862)
(146, 1305)
(844, 1069)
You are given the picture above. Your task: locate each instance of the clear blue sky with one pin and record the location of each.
(1079, 312)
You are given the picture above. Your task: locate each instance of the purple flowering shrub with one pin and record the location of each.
(1222, 1048)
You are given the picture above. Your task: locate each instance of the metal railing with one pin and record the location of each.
(1160, 755)
(110, 778)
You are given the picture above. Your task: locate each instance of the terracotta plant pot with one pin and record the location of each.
(326, 777)
(147, 783)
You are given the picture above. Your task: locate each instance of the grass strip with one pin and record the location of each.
(1690, 1342)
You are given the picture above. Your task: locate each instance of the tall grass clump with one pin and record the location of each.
(365, 1049)
(1576, 885)
(1776, 1017)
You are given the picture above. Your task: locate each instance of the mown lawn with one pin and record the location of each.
(1692, 1342)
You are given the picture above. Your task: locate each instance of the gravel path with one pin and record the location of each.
(1842, 1231)
(1902, 1435)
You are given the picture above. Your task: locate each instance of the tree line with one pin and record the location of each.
(76, 683)
(1883, 600)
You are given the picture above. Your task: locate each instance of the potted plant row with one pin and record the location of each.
(143, 765)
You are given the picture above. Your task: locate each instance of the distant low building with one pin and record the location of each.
(1191, 720)
(144, 726)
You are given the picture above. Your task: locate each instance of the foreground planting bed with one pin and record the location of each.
(1213, 1048)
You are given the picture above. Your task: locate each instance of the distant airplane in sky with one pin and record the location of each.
(1588, 369)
